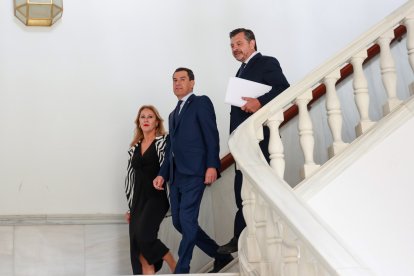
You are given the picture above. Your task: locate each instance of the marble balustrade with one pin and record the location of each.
(283, 236)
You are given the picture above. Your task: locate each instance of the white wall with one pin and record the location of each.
(369, 204)
(69, 94)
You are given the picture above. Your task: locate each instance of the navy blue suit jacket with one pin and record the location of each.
(194, 139)
(262, 69)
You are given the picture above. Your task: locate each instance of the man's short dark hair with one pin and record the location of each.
(189, 72)
(248, 34)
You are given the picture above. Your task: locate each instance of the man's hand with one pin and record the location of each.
(211, 176)
(252, 105)
(158, 183)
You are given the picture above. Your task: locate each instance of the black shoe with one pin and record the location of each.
(229, 247)
(219, 264)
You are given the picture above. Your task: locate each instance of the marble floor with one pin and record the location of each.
(64, 250)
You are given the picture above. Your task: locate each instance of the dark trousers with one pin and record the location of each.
(186, 193)
(153, 258)
(239, 222)
(143, 233)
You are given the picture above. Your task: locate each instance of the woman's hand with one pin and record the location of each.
(127, 217)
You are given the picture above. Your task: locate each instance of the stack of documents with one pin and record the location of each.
(238, 88)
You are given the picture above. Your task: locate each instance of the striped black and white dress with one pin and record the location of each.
(160, 143)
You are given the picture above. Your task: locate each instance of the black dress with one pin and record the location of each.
(149, 207)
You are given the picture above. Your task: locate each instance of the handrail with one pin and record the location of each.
(320, 90)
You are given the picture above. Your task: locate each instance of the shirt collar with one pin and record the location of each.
(252, 55)
(185, 98)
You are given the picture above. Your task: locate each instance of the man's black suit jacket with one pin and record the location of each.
(262, 69)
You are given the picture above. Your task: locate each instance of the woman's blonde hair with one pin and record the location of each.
(138, 134)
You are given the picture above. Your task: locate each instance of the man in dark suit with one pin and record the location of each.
(258, 68)
(191, 163)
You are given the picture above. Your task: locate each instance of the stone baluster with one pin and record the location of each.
(261, 237)
(409, 24)
(309, 264)
(274, 234)
(305, 128)
(360, 85)
(249, 204)
(333, 107)
(291, 256)
(388, 72)
(277, 157)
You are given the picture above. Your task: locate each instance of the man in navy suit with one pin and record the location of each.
(191, 163)
(258, 68)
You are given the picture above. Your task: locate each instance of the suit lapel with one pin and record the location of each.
(171, 122)
(183, 110)
(250, 64)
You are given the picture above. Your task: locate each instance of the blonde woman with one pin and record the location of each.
(147, 206)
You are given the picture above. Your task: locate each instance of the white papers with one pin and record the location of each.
(238, 88)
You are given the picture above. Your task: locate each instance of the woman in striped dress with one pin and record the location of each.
(147, 206)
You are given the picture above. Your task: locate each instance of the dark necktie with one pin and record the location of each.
(242, 66)
(177, 111)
